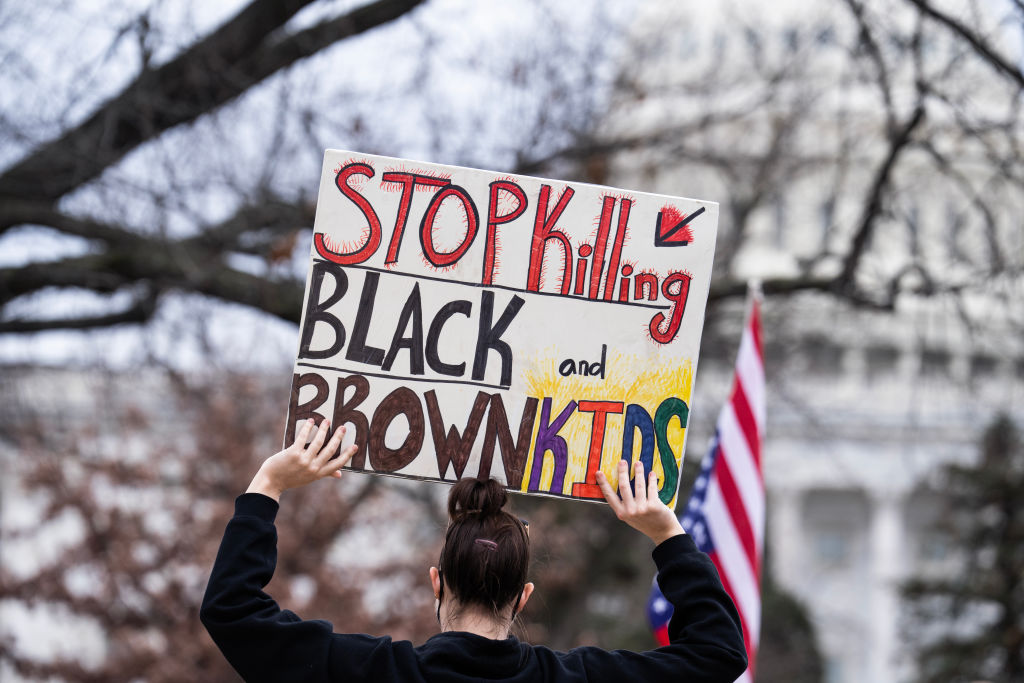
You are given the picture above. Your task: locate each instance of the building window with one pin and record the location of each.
(752, 38)
(914, 231)
(835, 523)
(777, 353)
(929, 541)
(822, 356)
(791, 38)
(831, 547)
(932, 547)
(780, 210)
(881, 361)
(833, 670)
(934, 362)
(983, 365)
(826, 35)
(957, 220)
(720, 42)
(827, 211)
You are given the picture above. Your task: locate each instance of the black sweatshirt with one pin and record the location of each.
(264, 643)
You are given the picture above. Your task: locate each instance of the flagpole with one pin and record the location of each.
(755, 294)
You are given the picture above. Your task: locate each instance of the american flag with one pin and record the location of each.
(725, 512)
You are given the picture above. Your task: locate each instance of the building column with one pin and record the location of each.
(887, 553)
(787, 537)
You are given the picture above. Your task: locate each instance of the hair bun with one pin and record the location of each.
(486, 550)
(469, 496)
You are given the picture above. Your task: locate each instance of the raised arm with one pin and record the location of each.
(705, 637)
(262, 641)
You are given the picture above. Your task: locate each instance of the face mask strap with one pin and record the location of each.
(440, 596)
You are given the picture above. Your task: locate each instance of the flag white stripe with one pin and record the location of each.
(743, 467)
(745, 677)
(750, 373)
(732, 560)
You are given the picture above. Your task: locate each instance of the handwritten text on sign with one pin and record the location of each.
(462, 322)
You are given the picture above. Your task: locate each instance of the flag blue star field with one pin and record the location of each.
(725, 511)
(693, 519)
(659, 610)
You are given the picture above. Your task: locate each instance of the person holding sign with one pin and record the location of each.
(480, 585)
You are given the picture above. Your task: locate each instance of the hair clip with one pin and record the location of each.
(487, 543)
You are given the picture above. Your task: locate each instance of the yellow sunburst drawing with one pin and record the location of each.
(629, 379)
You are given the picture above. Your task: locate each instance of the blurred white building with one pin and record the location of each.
(863, 406)
(857, 426)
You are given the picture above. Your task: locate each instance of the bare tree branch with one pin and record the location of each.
(163, 265)
(873, 203)
(997, 262)
(213, 72)
(15, 212)
(980, 45)
(273, 215)
(780, 286)
(139, 312)
(734, 289)
(86, 272)
(875, 52)
(254, 228)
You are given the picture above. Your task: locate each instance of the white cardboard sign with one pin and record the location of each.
(469, 323)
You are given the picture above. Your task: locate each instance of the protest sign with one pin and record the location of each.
(468, 323)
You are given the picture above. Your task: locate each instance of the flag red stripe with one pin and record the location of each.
(740, 521)
(744, 415)
(754, 325)
(747, 645)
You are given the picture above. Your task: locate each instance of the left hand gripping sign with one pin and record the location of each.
(468, 323)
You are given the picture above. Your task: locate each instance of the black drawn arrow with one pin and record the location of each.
(665, 239)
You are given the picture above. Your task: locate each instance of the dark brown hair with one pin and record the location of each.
(486, 550)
